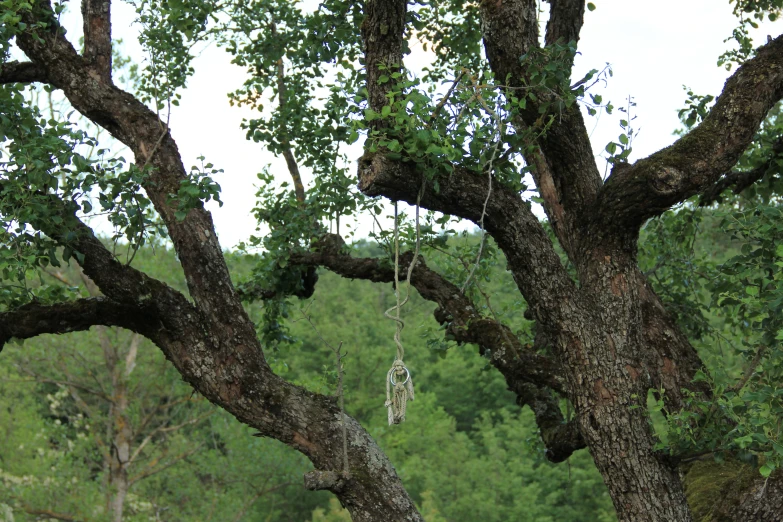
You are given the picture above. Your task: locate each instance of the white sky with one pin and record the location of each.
(654, 48)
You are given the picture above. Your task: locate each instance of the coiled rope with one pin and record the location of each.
(399, 385)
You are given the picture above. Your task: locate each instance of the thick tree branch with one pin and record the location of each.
(564, 168)
(527, 374)
(566, 18)
(36, 319)
(515, 361)
(212, 343)
(22, 72)
(536, 267)
(695, 162)
(738, 180)
(382, 32)
(97, 54)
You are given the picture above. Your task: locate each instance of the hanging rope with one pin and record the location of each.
(399, 385)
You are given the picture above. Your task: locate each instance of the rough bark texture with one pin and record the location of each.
(611, 338)
(97, 37)
(732, 491)
(211, 341)
(696, 161)
(610, 333)
(22, 72)
(531, 376)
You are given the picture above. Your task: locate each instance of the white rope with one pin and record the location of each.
(399, 385)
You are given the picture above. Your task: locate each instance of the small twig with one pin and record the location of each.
(157, 144)
(341, 398)
(340, 395)
(160, 139)
(749, 370)
(488, 166)
(58, 276)
(445, 99)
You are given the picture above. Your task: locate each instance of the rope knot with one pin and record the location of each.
(399, 390)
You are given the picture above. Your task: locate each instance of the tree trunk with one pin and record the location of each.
(609, 390)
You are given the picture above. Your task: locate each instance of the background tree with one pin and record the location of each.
(458, 141)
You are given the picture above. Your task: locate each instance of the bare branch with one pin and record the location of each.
(467, 325)
(285, 142)
(97, 37)
(738, 180)
(22, 72)
(695, 162)
(36, 319)
(48, 513)
(153, 468)
(527, 373)
(750, 370)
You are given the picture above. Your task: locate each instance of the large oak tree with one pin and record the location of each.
(508, 108)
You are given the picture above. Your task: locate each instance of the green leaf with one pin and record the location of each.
(590, 6)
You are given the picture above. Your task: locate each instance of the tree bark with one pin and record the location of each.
(210, 341)
(611, 337)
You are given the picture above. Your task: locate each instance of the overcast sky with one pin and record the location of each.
(654, 48)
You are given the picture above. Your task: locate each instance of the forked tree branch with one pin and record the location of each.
(135, 125)
(738, 180)
(536, 267)
(211, 341)
(564, 169)
(695, 162)
(532, 259)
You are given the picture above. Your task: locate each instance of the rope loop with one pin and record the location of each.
(399, 390)
(399, 385)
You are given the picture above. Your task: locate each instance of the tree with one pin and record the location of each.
(98, 426)
(604, 338)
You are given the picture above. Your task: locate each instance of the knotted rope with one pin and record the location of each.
(399, 385)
